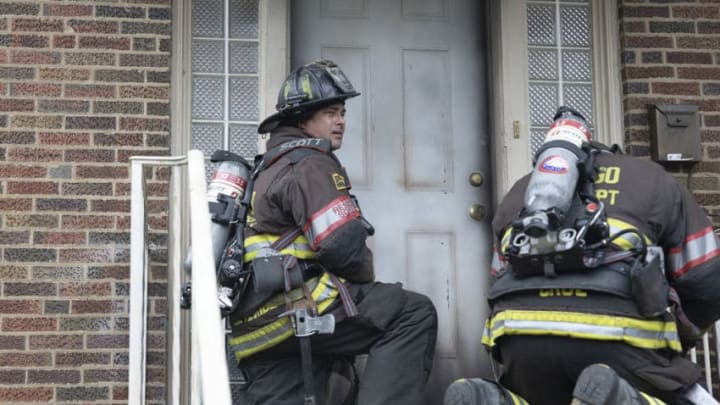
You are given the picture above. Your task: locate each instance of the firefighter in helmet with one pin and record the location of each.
(304, 197)
(599, 304)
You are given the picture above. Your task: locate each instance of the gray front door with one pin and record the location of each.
(415, 136)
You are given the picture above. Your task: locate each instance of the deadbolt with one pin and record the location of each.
(476, 179)
(477, 212)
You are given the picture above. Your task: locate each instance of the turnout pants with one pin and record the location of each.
(397, 330)
(543, 369)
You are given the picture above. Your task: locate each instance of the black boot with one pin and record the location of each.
(598, 384)
(478, 391)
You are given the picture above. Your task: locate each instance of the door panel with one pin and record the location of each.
(413, 138)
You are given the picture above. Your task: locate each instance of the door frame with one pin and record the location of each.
(507, 33)
(508, 68)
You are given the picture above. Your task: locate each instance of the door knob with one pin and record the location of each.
(477, 212)
(476, 179)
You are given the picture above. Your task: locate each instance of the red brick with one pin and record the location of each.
(15, 204)
(37, 25)
(20, 306)
(64, 74)
(55, 342)
(147, 92)
(119, 393)
(130, 139)
(28, 41)
(699, 42)
(104, 42)
(9, 104)
(699, 73)
(87, 189)
(689, 58)
(86, 255)
(62, 10)
(632, 72)
(145, 124)
(36, 57)
(107, 341)
(110, 206)
(64, 138)
(64, 41)
(81, 358)
(90, 155)
(35, 89)
(34, 394)
(654, 41)
(32, 187)
(97, 288)
(87, 221)
(88, 26)
(31, 220)
(35, 155)
(677, 88)
(34, 324)
(7, 171)
(59, 238)
(98, 307)
(101, 172)
(94, 376)
(91, 26)
(695, 13)
(634, 26)
(53, 376)
(89, 91)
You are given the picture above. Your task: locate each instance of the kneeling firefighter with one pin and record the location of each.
(307, 294)
(606, 272)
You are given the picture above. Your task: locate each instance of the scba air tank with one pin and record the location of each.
(225, 190)
(555, 174)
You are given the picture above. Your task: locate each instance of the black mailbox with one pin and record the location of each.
(675, 133)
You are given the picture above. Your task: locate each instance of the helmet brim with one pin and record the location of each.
(272, 121)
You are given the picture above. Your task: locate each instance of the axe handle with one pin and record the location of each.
(307, 370)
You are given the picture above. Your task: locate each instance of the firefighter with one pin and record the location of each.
(307, 195)
(599, 320)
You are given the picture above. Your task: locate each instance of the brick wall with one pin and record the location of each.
(83, 86)
(671, 55)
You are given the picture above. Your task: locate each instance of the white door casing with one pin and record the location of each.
(414, 136)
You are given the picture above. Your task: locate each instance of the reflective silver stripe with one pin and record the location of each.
(695, 250)
(644, 333)
(329, 218)
(579, 328)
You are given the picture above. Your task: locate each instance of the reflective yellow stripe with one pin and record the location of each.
(505, 242)
(299, 247)
(652, 400)
(629, 240)
(636, 332)
(516, 399)
(261, 339)
(323, 293)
